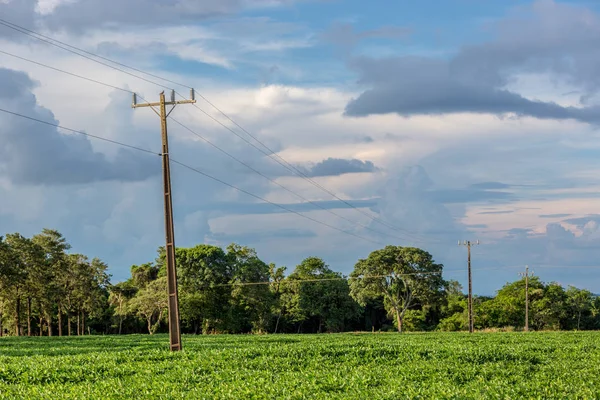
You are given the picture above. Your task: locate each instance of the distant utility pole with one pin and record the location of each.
(470, 301)
(526, 274)
(174, 329)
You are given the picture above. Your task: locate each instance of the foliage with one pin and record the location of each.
(47, 290)
(314, 291)
(402, 276)
(555, 365)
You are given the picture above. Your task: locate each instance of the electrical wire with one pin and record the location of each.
(79, 132)
(270, 202)
(188, 167)
(205, 140)
(51, 41)
(272, 154)
(280, 185)
(347, 278)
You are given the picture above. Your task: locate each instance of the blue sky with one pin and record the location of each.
(447, 120)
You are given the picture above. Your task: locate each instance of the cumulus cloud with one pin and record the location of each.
(547, 37)
(33, 153)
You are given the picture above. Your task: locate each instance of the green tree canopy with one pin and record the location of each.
(402, 276)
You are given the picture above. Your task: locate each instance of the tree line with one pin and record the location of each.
(46, 290)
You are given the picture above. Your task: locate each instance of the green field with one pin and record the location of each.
(356, 366)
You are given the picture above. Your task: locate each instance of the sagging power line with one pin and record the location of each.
(196, 170)
(315, 204)
(269, 152)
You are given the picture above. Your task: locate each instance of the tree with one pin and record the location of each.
(403, 276)
(454, 311)
(277, 277)
(251, 304)
(15, 274)
(151, 303)
(204, 274)
(550, 310)
(119, 296)
(319, 293)
(54, 247)
(144, 274)
(580, 301)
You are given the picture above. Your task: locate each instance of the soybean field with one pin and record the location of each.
(553, 365)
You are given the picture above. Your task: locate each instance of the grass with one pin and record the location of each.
(356, 366)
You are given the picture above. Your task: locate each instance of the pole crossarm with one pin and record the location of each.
(167, 103)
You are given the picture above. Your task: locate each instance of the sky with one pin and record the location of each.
(437, 121)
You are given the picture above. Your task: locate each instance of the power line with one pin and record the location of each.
(79, 132)
(278, 184)
(51, 41)
(203, 138)
(290, 167)
(191, 168)
(14, 26)
(271, 153)
(345, 278)
(65, 72)
(272, 203)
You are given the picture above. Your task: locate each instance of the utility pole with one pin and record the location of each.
(174, 329)
(526, 274)
(470, 300)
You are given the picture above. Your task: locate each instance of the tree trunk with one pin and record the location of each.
(277, 323)
(83, 323)
(78, 322)
(120, 324)
(68, 323)
(49, 319)
(29, 316)
(578, 319)
(18, 314)
(399, 321)
(59, 322)
(149, 320)
(41, 326)
(1, 330)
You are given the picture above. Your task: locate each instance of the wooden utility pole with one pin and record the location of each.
(526, 274)
(174, 329)
(470, 300)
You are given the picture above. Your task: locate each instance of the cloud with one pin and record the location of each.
(33, 153)
(345, 35)
(339, 166)
(554, 215)
(85, 15)
(490, 185)
(555, 38)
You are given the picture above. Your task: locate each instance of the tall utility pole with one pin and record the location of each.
(526, 274)
(174, 329)
(470, 301)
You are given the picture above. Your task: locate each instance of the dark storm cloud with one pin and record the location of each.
(33, 153)
(340, 166)
(21, 12)
(555, 38)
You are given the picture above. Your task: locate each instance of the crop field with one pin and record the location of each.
(356, 366)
